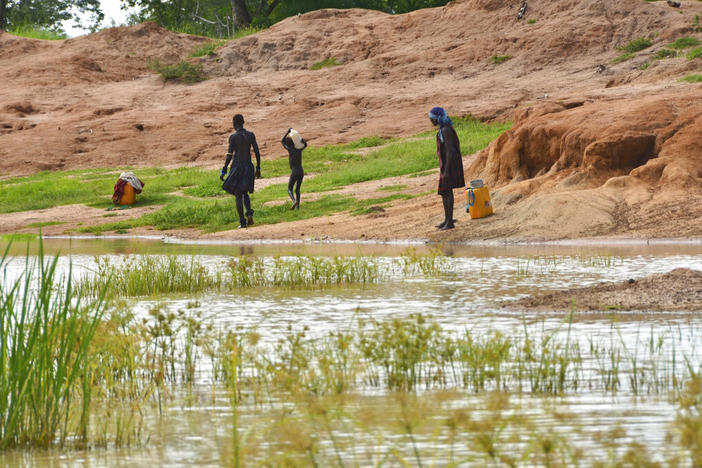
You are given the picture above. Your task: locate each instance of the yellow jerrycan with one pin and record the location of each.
(478, 198)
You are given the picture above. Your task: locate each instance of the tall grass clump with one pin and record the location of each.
(430, 264)
(154, 275)
(149, 275)
(498, 59)
(182, 71)
(664, 53)
(248, 271)
(694, 53)
(326, 63)
(34, 32)
(637, 45)
(622, 58)
(207, 49)
(684, 43)
(693, 78)
(46, 328)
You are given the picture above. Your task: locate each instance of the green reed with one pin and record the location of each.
(149, 275)
(153, 275)
(45, 368)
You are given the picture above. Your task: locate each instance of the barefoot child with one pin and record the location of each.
(240, 181)
(294, 143)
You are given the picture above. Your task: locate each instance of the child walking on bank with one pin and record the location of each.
(294, 143)
(240, 181)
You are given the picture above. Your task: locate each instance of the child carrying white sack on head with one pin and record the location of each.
(294, 143)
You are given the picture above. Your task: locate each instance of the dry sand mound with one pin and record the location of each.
(597, 149)
(677, 290)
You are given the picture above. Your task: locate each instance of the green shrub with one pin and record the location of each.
(207, 48)
(622, 58)
(694, 53)
(637, 44)
(664, 53)
(531, 21)
(684, 43)
(328, 62)
(182, 71)
(34, 32)
(694, 78)
(247, 31)
(498, 59)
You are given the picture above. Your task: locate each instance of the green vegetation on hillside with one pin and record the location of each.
(182, 71)
(694, 53)
(694, 78)
(498, 59)
(326, 63)
(684, 43)
(36, 32)
(637, 45)
(208, 48)
(631, 48)
(193, 197)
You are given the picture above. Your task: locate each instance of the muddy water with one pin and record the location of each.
(197, 429)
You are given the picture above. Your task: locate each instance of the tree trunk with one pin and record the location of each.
(265, 8)
(3, 9)
(240, 14)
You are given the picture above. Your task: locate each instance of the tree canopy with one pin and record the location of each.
(47, 14)
(222, 18)
(225, 17)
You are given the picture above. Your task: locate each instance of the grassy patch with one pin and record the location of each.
(637, 45)
(664, 54)
(182, 71)
(393, 188)
(498, 59)
(328, 62)
(45, 223)
(531, 21)
(694, 53)
(92, 188)
(207, 48)
(421, 174)
(374, 205)
(38, 33)
(204, 205)
(368, 142)
(694, 78)
(246, 31)
(622, 58)
(684, 43)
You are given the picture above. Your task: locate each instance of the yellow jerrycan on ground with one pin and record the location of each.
(478, 198)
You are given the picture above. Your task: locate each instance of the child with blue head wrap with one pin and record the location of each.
(448, 150)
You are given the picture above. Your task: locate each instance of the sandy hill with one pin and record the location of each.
(609, 148)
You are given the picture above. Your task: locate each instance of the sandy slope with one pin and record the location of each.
(678, 290)
(610, 150)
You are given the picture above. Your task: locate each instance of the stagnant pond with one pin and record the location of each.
(516, 421)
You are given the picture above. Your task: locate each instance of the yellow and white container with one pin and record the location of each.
(478, 198)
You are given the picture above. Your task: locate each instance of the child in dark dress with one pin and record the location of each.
(240, 181)
(295, 159)
(448, 150)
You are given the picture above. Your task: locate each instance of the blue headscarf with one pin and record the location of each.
(440, 115)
